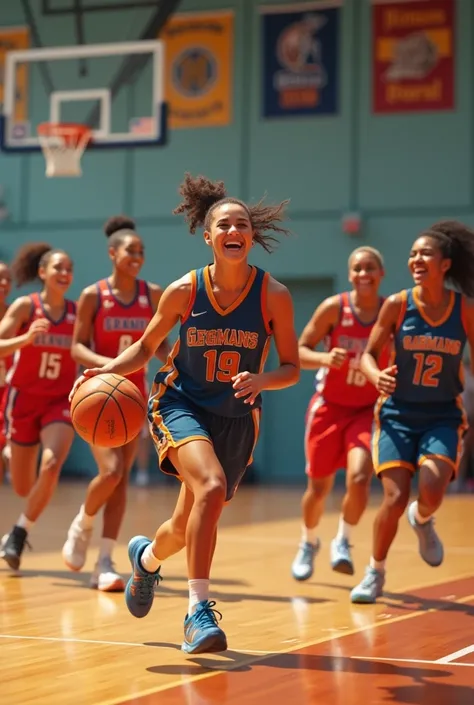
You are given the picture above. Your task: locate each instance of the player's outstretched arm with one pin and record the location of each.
(318, 327)
(384, 327)
(17, 315)
(172, 306)
(280, 309)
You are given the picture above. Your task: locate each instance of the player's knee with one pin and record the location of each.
(396, 499)
(113, 471)
(318, 489)
(50, 465)
(360, 479)
(213, 490)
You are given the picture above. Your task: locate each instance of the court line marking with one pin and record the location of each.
(457, 654)
(410, 660)
(99, 642)
(124, 699)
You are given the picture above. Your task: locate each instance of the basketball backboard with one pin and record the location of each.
(116, 89)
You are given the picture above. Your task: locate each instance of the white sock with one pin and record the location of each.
(85, 521)
(309, 535)
(106, 547)
(24, 522)
(148, 560)
(418, 518)
(344, 529)
(377, 565)
(198, 591)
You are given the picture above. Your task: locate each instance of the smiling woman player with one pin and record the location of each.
(419, 419)
(38, 329)
(112, 314)
(340, 414)
(205, 405)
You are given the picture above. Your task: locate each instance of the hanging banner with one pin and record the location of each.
(199, 51)
(11, 39)
(301, 58)
(413, 55)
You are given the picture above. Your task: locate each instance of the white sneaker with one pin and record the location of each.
(77, 543)
(105, 578)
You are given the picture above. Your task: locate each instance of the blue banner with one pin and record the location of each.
(301, 59)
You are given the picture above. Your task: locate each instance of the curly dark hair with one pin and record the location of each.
(29, 259)
(201, 197)
(117, 228)
(456, 242)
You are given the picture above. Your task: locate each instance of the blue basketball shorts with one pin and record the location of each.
(406, 434)
(175, 420)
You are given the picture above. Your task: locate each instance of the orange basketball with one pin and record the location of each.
(108, 410)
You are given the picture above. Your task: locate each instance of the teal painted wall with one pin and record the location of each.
(401, 172)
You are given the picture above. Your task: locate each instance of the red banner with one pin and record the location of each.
(413, 55)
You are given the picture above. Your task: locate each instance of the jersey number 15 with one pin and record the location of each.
(50, 365)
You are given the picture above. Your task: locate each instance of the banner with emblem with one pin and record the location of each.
(301, 57)
(11, 39)
(199, 51)
(413, 55)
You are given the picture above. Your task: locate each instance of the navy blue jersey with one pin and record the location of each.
(429, 354)
(215, 344)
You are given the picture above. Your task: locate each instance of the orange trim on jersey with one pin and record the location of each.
(264, 303)
(256, 417)
(426, 318)
(388, 464)
(239, 299)
(403, 309)
(265, 351)
(192, 297)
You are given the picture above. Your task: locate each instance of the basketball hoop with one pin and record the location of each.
(63, 145)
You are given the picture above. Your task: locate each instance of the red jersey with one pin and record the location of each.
(5, 364)
(118, 325)
(348, 386)
(46, 368)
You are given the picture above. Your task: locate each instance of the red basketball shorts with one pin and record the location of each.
(26, 415)
(331, 432)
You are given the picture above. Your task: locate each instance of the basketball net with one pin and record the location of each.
(63, 145)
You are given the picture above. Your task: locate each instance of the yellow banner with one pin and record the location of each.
(11, 39)
(199, 51)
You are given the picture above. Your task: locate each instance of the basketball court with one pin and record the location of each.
(288, 641)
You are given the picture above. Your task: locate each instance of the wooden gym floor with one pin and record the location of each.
(62, 643)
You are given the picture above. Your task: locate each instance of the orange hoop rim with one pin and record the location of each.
(64, 129)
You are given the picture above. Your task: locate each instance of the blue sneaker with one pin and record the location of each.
(201, 631)
(370, 587)
(140, 590)
(341, 559)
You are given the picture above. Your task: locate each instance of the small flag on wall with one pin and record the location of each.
(413, 55)
(199, 51)
(301, 58)
(13, 39)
